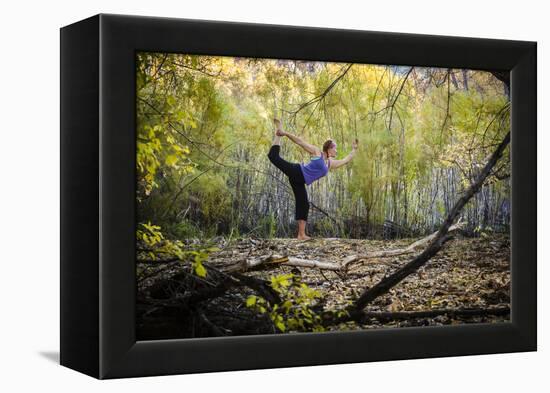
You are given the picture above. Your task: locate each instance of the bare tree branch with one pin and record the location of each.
(321, 96)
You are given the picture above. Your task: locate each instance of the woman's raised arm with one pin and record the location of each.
(334, 164)
(311, 149)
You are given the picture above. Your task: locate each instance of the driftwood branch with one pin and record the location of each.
(267, 260)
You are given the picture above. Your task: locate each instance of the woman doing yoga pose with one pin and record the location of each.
(299, 174)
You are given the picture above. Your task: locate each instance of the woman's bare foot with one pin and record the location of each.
(302, 230)
(278, 128)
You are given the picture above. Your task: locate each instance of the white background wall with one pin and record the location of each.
(29, 199)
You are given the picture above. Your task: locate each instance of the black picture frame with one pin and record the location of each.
(98, 213)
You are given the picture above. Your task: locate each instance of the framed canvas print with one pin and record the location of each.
(238, 196)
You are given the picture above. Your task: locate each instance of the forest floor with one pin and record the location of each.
(468, 273)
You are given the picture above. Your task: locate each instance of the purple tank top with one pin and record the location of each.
(314, 170)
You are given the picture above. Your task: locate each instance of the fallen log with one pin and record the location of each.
(360, 316)
(468, 312)
(407, 250)
(266, 260)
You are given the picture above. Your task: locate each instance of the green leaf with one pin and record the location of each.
(171, 160)
(280, 325)
(170, 100)
(200, 270)
(251, 301)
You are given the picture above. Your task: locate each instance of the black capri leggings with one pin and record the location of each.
(297, 182)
